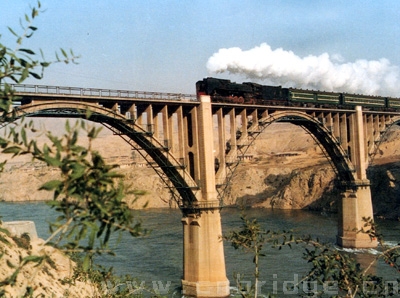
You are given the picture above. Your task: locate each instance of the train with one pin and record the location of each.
(225, 91)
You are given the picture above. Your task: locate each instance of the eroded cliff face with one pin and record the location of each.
(295, 189)
(285, 181)
(287, 171)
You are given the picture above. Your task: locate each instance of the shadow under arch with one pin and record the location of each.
(170, 170)
(335, 154)
(382, 137)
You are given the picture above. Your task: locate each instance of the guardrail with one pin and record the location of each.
(104, 93)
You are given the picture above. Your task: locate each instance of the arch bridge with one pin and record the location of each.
(195, 146)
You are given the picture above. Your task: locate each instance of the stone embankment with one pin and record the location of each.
(285, 169)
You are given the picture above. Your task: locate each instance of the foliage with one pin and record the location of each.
(329, 266)
(251, 238)
(89, 193)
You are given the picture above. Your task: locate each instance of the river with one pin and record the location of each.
(158, 256)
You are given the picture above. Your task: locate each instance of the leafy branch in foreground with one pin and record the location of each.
(89, 194)
(252, 238)
(330, 268)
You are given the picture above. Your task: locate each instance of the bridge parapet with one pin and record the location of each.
(43, 90)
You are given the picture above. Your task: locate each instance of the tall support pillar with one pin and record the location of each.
(356, 202)
(204, 262)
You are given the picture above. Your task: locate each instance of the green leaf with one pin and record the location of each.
(12, 31)
(51, 185)
(28, 51)
(10, 265)
(35, 75)
(51, 161)
(24, 75)
(86, 263)
(64, 53)
(12, 149)
(33, 259)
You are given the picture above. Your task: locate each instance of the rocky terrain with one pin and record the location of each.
(50, 277)
(287, 171)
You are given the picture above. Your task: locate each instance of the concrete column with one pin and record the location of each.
(329, 122)
(132, 112)
(358, 145)
(150, 119)
(156, 126)
(254, 118)
(354, 206)
(370, 133)
(171, 131)
(165, 124)
(343, 132)
(232, 142)
(193, 131)
(181, 133)
(221, 142)
(356, 203)
(204, 262)
(336, 125)
(244, 121)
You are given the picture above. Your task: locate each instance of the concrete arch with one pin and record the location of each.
(335, 153)
(173, 172)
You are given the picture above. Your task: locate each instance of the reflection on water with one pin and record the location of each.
(158, 256)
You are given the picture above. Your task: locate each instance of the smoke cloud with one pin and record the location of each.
(323, 72)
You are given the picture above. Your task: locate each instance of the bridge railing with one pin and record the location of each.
(106, 93)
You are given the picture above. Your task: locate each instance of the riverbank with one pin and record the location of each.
(46, 273)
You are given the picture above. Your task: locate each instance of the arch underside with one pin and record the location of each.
(330, 146)
(182, 187)
(383, 137)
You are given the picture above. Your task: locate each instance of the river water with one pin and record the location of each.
(157, 258)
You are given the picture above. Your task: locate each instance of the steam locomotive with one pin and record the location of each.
(225, 91)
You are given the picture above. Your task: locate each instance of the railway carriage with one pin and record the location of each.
(222, 90)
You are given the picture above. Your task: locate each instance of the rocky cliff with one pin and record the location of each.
(287, 171)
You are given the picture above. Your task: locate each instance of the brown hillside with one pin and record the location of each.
(288, 170)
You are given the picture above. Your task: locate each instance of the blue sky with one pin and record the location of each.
(165, 45)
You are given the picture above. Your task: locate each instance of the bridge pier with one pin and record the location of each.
(356, 201)
(355, 205)
(204, 262)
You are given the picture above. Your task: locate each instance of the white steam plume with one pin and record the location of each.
(280, 67)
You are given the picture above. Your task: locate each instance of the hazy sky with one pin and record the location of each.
(165, 45)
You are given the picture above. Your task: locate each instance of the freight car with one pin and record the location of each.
(225, 91)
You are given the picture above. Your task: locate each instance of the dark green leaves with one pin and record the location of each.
(89, 194)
